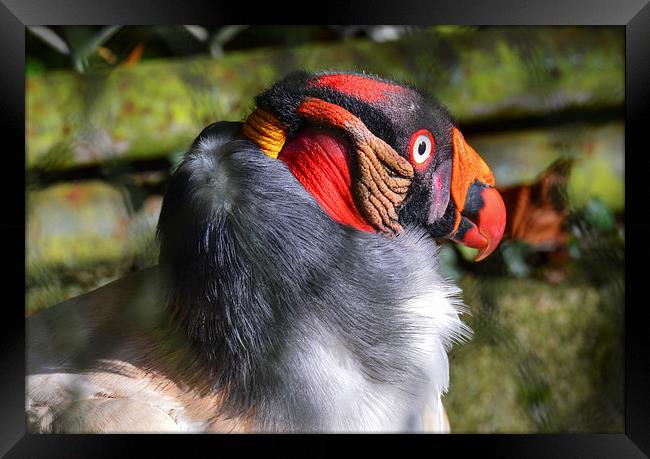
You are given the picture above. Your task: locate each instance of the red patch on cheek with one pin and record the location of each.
(321, 162)
(357, 86)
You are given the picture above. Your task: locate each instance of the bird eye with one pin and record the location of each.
(421, 147)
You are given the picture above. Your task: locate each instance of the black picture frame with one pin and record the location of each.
(634, 15)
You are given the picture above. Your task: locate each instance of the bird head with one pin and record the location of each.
(378, 156)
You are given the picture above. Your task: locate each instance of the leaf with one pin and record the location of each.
(536, 213)
(89, 46)
(135, 55)
(50, 37)
(223, 36)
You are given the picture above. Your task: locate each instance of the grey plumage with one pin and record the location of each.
(263, 311)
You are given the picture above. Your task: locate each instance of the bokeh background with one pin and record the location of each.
(111, 110)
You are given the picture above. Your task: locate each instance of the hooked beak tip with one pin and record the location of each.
(483, 228)
(492, 221)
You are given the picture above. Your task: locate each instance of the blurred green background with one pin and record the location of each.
(111, 110)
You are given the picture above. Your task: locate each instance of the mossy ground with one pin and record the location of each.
(545, 357)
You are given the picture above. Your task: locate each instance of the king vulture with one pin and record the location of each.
(298, 286)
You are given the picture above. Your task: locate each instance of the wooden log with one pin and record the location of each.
(157, 107)
(73, 224)
(517, 157)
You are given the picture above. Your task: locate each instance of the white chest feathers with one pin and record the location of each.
(352, 401)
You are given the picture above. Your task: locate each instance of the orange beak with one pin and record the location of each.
(480, 212)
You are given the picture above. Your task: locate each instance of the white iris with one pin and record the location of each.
(421, 149)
